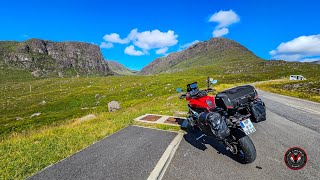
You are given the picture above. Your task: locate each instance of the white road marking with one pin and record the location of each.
(163, 163)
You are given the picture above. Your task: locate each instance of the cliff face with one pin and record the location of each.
(45, 58)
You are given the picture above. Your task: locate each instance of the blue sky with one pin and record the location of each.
(165, 26)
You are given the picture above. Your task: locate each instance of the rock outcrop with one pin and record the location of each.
(44, 58)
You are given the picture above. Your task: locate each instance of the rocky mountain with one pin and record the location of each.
(316, 62)
(120, 69)
(215, 50)
(47, 58)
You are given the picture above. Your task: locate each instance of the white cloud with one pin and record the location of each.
(185, 46)
(115, 38)
(220, 32)
(130, 50)
(307, 45)
(303, 48)
(106, 45)
(145, 40)
(162, 50)
(224, 18)
(153, 39)
(310, 59)
(133, 34)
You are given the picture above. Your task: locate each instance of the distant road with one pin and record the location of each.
(133, 152)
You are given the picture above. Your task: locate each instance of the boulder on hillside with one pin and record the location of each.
(113, 106)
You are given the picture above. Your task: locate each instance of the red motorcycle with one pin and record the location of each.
(226, 117)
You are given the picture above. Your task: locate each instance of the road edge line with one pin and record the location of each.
(163, 163)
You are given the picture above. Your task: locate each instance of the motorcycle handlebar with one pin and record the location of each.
(183, 96)
(211, 90)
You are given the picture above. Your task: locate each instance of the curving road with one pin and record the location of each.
(134, 152)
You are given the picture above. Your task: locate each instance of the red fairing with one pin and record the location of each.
(202, 102)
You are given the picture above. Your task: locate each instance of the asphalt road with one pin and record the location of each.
(290, 122)
(134, 152)
(131, 153)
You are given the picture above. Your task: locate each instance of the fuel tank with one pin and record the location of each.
(202, 102)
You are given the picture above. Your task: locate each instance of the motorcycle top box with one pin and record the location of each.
(236, 97)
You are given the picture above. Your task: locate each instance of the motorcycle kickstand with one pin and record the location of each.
(200, 137)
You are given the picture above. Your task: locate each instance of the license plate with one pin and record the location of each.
(247, 126)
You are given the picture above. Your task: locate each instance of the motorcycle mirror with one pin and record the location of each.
(213, 81)
(179, 90)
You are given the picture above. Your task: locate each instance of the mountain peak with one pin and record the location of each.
(200, 54)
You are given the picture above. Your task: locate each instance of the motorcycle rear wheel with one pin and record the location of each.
(246, 150)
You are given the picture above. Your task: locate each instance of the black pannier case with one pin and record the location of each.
(236, 97)
(258, 110)
(217, 124)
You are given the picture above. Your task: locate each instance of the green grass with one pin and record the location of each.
(286, 87)
(70, 98)
(8, 45)
(23, 155)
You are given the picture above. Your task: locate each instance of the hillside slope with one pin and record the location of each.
(227, 60)
(213, 51)
(47, 58)
(120, 69)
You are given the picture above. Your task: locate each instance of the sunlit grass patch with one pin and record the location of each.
(308, 89)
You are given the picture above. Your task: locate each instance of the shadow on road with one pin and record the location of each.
(202, 144)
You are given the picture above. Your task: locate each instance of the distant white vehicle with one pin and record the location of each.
(297, 77)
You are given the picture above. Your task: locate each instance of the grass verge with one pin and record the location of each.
(309, 89)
